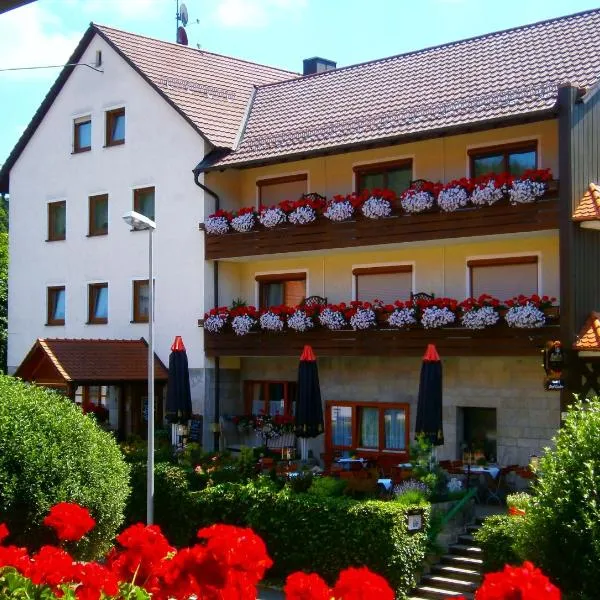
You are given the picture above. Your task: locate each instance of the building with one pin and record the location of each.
(524, 98)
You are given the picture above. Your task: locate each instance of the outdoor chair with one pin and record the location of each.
(492, 487)
(312, 301)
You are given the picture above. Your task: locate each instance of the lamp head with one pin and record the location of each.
(138, 221)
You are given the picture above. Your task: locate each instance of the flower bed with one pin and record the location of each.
(473, 313)
(421, 196)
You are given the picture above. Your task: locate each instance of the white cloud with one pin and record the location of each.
(117, 10)
(254, 13)
(30, 36)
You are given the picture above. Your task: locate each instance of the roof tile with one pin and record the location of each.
(589, 336)
(588, 208)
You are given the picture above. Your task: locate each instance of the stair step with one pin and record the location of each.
(454, 572)
(465, 550)
(467, 562)
(449, 583)
(439, 593)
(473, 528)
(467, 538)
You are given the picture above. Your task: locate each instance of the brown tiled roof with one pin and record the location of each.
(589, 336)
(210, 89)
(97, 360)
(589, 206)
(492, 77)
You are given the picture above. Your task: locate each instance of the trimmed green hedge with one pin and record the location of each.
(322, 534)
(51, 452)
(500, 538)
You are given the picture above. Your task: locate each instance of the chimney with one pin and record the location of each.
(317, 65)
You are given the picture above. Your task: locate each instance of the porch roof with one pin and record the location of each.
(588, 208)
(63, 362)
(588, 338)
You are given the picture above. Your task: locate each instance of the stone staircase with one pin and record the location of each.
(458, 573)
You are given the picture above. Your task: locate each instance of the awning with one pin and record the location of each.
(588, 339)
(65, 363)
(587, 213)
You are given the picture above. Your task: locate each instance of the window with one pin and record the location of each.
(143, 202)
(512, 158)
(477, 431)
(98, 303)
(87, 395)
(388, 284)
(504, 278)
(395, 176)
(98, 215)
(270, 397)
(82, 134)
(115, 127)
(141, 301)
(274, 190)
(56, 305)
(57, 221)
(277, 289)
(370, 426)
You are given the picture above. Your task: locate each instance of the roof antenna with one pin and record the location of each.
(181, 17)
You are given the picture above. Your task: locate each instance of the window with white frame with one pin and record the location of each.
(503, 278)
(387, 283)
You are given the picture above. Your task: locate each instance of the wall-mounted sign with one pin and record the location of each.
(553, 384)
(554, 362)
(414, 520)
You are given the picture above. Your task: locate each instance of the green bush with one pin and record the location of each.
(327, 487)
(411, 498)
(51, 452)
(500, 537)
(314, 533)
(520, 500)
(563, 519)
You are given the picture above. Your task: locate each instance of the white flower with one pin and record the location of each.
(242, 324)
(339, 211)
(270, 321)
(299, 321)
(480, 318)
(302, 215)
(243, 223)
(415, 201)
(402, 317)
(271, 217)
(376, 208)
(486, 193)
(455, 485)
(525, 317)
(434, 316)
(525, 191)
(363, 318)
(216, 225)
(215, 323)
(453, 198)
(332, 319)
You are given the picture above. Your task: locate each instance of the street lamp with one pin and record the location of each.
(139, 222)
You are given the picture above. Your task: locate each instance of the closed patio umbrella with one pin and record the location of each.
(179, 398)
(429, 407)
(309, 410)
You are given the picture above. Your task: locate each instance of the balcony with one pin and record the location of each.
(499, 340)
(323, 234)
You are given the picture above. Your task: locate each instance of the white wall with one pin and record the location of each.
(160, 150)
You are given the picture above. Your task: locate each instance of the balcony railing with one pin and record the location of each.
(322, 234)
(499, 340)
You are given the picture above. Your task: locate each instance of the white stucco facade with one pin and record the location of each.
(160, 150)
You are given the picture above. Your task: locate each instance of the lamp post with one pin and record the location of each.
(140, 222)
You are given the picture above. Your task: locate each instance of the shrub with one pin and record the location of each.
(563, 519)
(500, 537)
(309, 532)
(327, 487)
(520, 500)
(51, 452)
(411, 498)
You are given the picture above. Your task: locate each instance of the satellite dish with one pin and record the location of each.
(182, 37)
(183, 14)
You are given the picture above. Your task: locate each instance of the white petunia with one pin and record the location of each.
(243, 223)
(527, 316)
(434, 316)
(402, 317)
(216, 225)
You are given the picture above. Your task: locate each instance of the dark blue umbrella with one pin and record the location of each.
(429, 407)
(309, 409)
(179, 398)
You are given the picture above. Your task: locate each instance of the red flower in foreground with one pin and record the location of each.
(51, 566)
(306, 586)
(3, 532)
(70, 521)
(11, 556)
(361, 584)
(513, 511)
(94, 580)
(519, 583)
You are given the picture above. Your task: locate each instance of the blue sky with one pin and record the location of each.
(277, 32)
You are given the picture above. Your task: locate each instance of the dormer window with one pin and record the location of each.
(115, 127)
(82, 134)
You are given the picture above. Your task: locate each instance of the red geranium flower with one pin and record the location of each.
(11, 556)
(70, 521)
(3, 532)
(523, 583)
(94, 580)
(306, 586)
(361, 584)
(51, 566)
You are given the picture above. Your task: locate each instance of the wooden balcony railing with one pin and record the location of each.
(501, 218)
(500, 340)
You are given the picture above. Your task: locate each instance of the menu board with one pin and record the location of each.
(195, 434)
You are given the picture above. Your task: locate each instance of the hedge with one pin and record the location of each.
(313, 533)
(51, 452)
(500, 537)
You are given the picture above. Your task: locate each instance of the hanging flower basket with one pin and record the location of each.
(271, 217)
(454, 195)
(244, 220)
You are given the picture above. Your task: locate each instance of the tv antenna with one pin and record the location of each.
(181, 17)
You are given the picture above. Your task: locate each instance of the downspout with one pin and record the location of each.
(217, 416)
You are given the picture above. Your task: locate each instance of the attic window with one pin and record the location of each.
(82, 134)
(115, 127)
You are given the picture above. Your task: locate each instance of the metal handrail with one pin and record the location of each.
(456, 508)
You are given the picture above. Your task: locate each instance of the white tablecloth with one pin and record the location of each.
(386, 483)
(493, 471)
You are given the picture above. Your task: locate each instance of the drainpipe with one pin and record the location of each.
(216, 434)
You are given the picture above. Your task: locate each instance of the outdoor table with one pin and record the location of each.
(386, 483)
(346, 462)
(478, 469)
